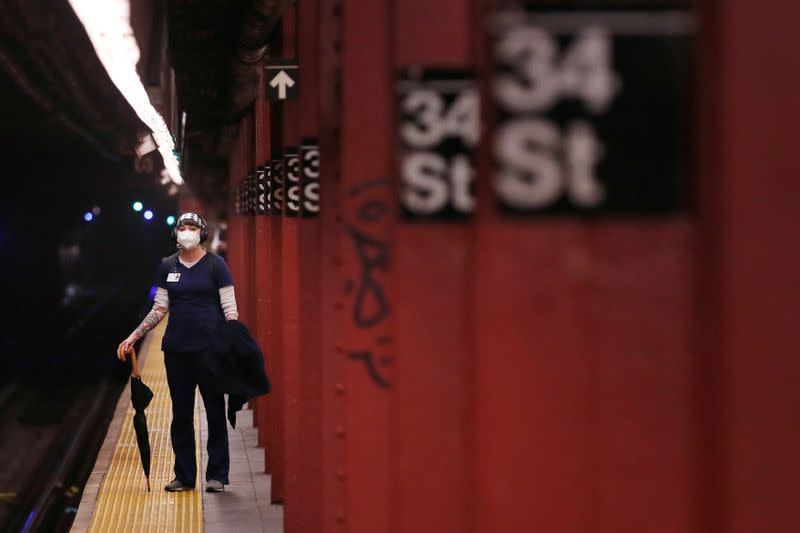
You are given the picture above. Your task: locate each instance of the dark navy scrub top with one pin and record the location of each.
(194, 306)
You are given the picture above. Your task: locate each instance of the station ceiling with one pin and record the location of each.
(48, 58)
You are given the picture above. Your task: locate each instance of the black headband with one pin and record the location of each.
(191, 218)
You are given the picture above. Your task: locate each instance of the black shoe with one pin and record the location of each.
(212, 485)
(177, 486)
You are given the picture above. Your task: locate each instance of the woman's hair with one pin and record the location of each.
(191, 219)
(188, 222)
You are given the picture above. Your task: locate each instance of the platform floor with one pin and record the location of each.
(115, 498)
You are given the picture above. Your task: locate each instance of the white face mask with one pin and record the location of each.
(188, 239)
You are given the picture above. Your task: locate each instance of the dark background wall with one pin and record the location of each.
(50, 179)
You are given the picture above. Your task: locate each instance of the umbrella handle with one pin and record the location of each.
(135, 370)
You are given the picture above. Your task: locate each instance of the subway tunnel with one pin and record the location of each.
(510, 266)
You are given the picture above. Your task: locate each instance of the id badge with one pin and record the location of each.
(173, 277)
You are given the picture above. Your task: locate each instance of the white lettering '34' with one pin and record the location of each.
(433, 181)
(537, 162)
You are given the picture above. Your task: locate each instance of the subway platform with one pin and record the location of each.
(116, 499)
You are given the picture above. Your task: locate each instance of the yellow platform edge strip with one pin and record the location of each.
(123, 503)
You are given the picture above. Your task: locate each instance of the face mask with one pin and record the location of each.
(188, 239)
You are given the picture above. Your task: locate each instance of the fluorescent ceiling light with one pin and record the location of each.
(108, 25)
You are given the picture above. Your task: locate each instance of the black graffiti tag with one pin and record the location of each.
(369, 360)
(371, 305)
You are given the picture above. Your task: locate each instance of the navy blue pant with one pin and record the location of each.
(182, 377)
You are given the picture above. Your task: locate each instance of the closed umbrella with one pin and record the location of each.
(141, 396)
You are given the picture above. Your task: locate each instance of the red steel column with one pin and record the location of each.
(191, 204)
(366, 302)
(235, 221)
(247, 155)
(431, 404)
(290, 286)
(276, 446)
(583, 373)
(252, 297)
(749, 262)
(247, 148)
(308, 499)
(241, 232)
(334, 475)
(263, 309)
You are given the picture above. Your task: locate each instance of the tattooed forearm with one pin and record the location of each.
(151, 320)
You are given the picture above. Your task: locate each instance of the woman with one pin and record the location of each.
(197, 289)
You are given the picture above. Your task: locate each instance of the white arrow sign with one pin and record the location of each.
(282, 81)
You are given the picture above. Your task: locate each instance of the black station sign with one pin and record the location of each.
(291, 166)
(252, 193)
(592, 111)
(282, 79)
(237, 199)
(309, 177)
(262, 207)
(277, 186)
(438, 131)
